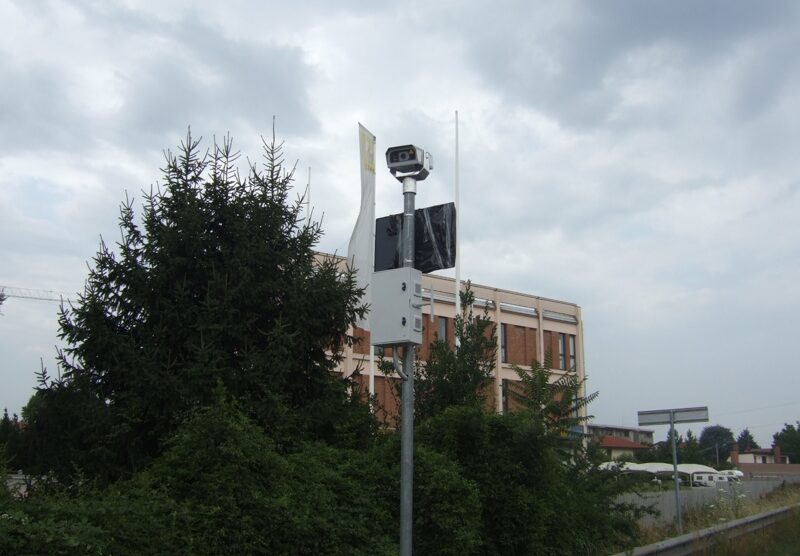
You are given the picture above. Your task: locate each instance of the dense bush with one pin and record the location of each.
(531, 500)
(219, 488)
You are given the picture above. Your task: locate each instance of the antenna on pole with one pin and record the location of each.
(308, 196)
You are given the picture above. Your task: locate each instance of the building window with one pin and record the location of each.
(503, 344)
(441, 331)
(562, 351)
(573, 358)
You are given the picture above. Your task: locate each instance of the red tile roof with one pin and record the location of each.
(624, 443)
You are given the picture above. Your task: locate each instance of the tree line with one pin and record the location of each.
(713, 446)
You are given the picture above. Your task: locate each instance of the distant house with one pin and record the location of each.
(763, 463)
(758, 456)
(616, 447)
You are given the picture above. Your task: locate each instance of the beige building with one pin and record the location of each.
(528, 327)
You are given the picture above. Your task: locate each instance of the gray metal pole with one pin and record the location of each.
(407, 425)
(675, 472)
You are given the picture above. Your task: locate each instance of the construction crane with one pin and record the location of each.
(39, 295)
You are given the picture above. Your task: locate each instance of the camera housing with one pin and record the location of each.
(409, 161)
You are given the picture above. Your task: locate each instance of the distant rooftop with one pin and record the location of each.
(619, 427)
(609, 442)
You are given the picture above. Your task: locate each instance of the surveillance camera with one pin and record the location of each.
(409, 161)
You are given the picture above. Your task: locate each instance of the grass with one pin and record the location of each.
(729, 507)
(781, 539)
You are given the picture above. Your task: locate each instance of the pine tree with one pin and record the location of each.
(745, 441)
(690, 450)
(219, 285)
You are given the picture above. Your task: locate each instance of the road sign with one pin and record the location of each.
(668, 416)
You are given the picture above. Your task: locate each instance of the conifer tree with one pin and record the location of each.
(788, 439)
(745, 441)
(216, 284)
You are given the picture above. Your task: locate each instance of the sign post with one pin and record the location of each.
(670, 417)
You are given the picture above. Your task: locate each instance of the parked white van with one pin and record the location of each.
(706, 479)
(733, 475)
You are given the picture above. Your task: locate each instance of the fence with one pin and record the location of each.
(664, 501)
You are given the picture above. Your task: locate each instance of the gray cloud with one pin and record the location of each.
(558, 64)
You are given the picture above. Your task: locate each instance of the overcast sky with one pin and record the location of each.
(640, 159)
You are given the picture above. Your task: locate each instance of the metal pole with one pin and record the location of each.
(407, 425)
(675, 472)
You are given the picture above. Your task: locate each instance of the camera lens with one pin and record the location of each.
(402, 156)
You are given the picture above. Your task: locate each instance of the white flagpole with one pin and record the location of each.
(458, 237)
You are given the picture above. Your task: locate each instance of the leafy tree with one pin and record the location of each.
(554, 405)
(745, 441)
(716, 442)
(457, 377)
(219, 284)
(3, 297)
(788, 440)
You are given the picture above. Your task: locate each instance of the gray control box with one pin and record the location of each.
(396, 313)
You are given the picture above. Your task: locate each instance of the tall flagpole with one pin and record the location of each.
(308, 195)
(372, 269)
(458, 238)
